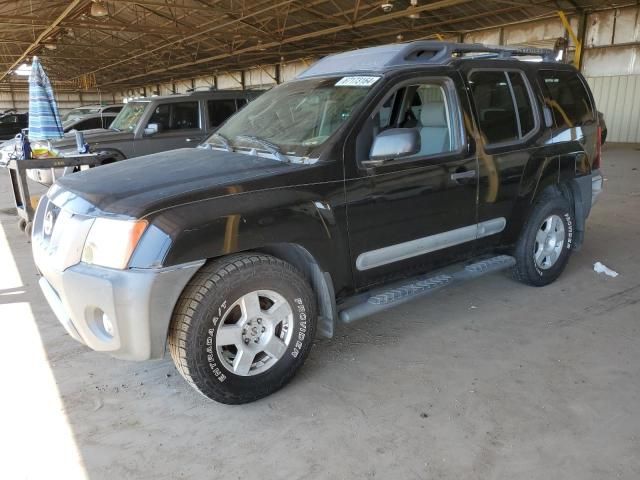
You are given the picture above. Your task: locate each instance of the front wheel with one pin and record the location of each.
(242, 327)
(544, 247)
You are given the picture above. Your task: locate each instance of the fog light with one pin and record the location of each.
(107, 325)
(100, 324)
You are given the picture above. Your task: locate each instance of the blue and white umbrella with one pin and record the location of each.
(44, 118)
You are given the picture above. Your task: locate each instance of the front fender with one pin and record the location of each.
(313, 219)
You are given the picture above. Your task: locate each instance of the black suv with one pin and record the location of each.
(375, 177)
(13, 123)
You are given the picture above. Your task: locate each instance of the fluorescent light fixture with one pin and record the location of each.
(99, 9)
(23, 70)
(413, 15)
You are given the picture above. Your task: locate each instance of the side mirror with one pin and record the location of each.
(391, 144)
(151, 129)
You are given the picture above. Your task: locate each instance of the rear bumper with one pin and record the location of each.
(138, 303)
(587, 191)
(597, 184)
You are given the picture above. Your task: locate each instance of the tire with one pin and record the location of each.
(232, 309)
(544, 246)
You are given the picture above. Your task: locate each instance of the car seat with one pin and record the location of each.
(434, 133)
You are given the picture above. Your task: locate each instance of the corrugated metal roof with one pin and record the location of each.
(145, 41)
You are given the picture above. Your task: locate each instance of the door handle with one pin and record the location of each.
(462, 175)
(191, 139)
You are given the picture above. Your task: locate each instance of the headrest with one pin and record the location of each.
(433, 115)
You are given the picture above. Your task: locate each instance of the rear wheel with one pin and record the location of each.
(242, 327)
(544, 247)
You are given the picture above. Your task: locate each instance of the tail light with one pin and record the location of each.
(596, 159)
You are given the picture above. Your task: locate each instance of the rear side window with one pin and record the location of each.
(176, 116)
(503, 103)
(523, 102)
(220, 110)
(568, 98)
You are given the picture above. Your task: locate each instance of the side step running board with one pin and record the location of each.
(382, 299)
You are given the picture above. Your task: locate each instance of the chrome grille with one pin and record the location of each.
(59, 235)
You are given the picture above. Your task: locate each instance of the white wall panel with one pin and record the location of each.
(489, 37)
(264, 77)
(291, 70)
(166, 89)
(618, 98)
(230, 81)
(67, 100)
(600, 28)
(204, 83)
(611, 61)
(534, 32)
(183, 86)
(627, 28)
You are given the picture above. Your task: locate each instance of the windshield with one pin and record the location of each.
(129, 116)
(295, 117)
(77, 112)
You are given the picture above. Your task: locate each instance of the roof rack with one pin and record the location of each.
(425, 52)
(443, 52)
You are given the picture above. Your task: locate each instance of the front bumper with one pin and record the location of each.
(123, 312)
(138, 303)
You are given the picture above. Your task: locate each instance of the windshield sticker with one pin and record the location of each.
(357, 81)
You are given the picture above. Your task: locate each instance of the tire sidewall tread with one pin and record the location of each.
(207, 296)
(526, 271)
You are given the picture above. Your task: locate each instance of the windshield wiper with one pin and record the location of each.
(224, 141)
(272, 148)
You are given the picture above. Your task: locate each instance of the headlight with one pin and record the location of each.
(110, 243)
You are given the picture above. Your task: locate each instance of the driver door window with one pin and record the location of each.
(425, 107)
(89, 124)
(176, 116)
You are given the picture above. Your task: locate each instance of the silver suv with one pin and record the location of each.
(156, 124)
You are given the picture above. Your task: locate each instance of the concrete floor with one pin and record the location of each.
(489, 380)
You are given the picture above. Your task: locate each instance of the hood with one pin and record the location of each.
(139, 186)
